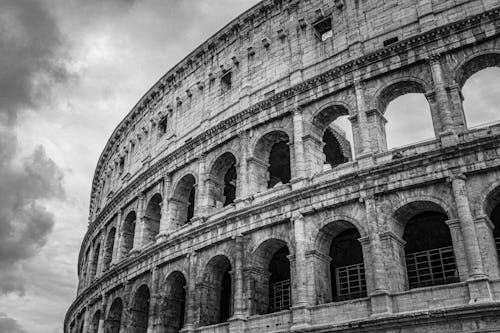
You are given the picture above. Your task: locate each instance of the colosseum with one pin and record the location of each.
(229, 200)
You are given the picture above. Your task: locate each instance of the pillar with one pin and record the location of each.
(190, 317)
(100, 258)
(448, 136)
(242, 186)
(458, 248)
(364, 134)
(100, 328)
(471, 244)
(201, 202)
(239, 300)
(487, 246)
(165, 220)
(117, 251)
(139, 223)
(154, 301)
(298, 143)
(300, 313)
(86, 320)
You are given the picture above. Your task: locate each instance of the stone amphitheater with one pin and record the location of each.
(229, 200)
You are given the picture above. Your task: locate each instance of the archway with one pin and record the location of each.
(271, 275)
(94, 324)
(216, 291)
(492, 209)
(139, 311)
(479, 84)
(114, 319)
(345, 272)
(332, 127)
(153, 216)
(429, 254)
(408, 114)
(183, 200)
(271, 163)
(108, 250)
(128, 233)
(173, 303)
(222, 181)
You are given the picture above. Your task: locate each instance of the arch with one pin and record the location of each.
(271, 163)
(108, 250)
(492, 211)
(94, 324)
(475, 63)
(128, 233)
(271, 275)
(222, 181)
(429, 253)
(173, 303)
(340, 271)
(327, 114)
(397, 88)
(153, 216)
(113, 320)
(95, 261)
(139, 310)
(216, 291)
(183, 200)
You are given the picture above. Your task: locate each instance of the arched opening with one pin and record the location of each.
(479, 84)
(222, 181)
(216, 292)
(271, 162)
(408, 115)
(128, 233)
(173, 303)
(429, 255)
(492, 209)
(346, 272)
(114, 319)
(271, 276)
(183, 200)
(108, 251)
(94, 324)
(95, 261)
(332, 127)
(139, 311)
(153, 216)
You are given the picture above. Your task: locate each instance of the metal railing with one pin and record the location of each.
(431, 268)
(351, 282)
(279, 296)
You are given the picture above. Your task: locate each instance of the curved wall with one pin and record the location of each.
(221, 166)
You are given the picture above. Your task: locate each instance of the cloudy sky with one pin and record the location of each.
(70, 70)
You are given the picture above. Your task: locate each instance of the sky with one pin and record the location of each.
(70, 70)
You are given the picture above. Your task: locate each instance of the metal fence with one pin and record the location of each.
(431, 268)
(279, 296)
(351, 282)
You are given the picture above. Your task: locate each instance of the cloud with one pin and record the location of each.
(31, 48)
(24, 222)
(9, 325)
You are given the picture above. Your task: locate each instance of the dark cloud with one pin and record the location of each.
(30, 56)
(9, 325)
(24, 222)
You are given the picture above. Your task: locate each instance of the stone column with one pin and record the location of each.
(190, 318)
(139, 224)
(154, 300)
(102, 317)
(364, 133)
(117, 251)
(380, 299)
(201, 205)
(100, 257)
(239, 301)
(471, 244)
(448, 136)
(298, 144)
(487, 246)
(300, 312)
(86, 320)
(458, 248)
(242, 186)
(165, 219)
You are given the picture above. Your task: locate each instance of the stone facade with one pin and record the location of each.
(227, 201)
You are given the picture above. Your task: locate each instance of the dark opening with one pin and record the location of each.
(122, 164)
(279, 164)
(346, 268)
(279, 281)
(162, 126)
(190, 209)
(390, 41)
(225, 82)
(430, 259)
(174, 303)
(230, 186)
(108, 252)
(323, 29)
(332, 150)
(225, 298)
(113, 321)
(153, 214)
(495, 218)
(140, 310)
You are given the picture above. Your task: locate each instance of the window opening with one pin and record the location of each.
(226, 82)
(190, 209)
(162, 126)
(230, 186)
(279, 281)
(279, 164)
(323, 29)
(390, 41)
